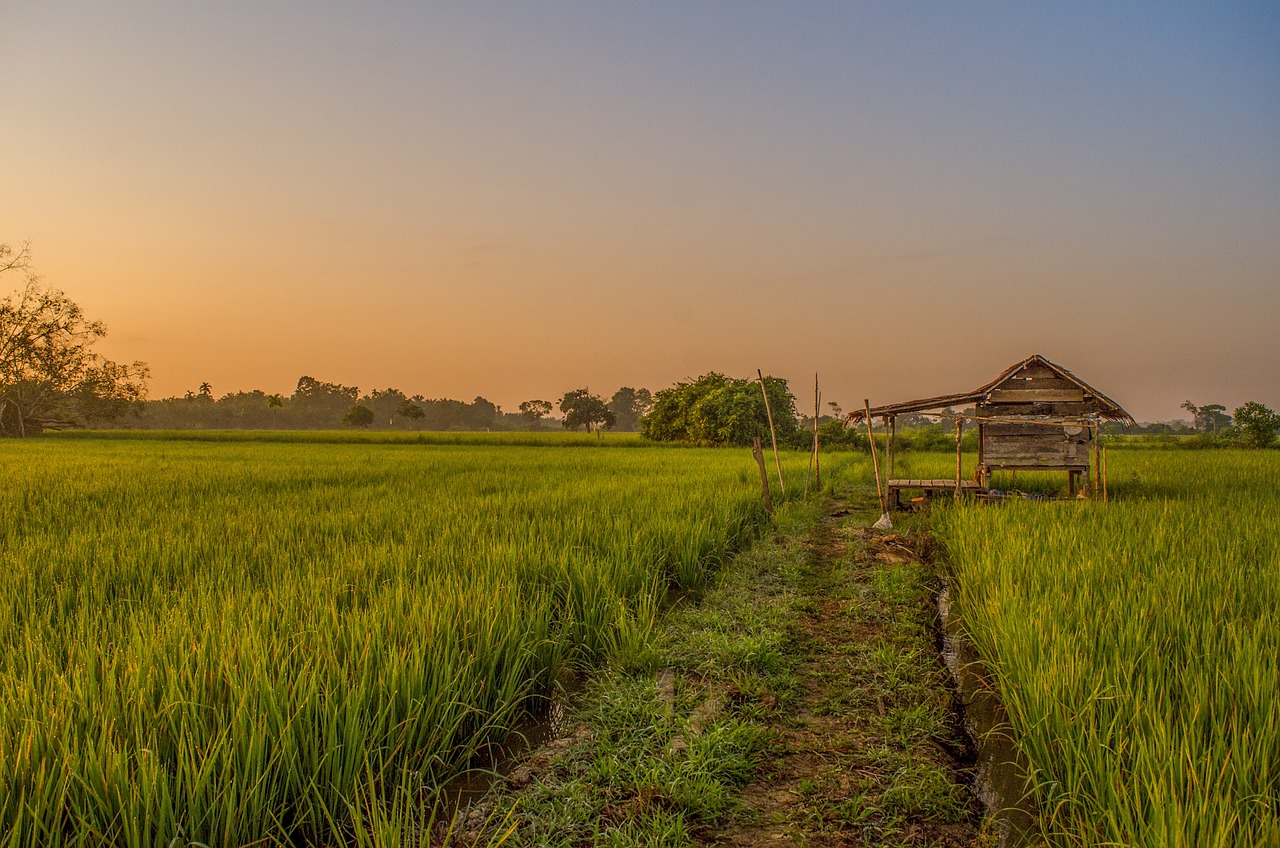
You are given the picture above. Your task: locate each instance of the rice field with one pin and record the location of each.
(234, 642)
(1136, 646)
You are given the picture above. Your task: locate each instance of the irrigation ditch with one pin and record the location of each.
(1001, 778)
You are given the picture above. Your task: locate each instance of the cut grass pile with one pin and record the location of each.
(1136, 645)
(237, 642)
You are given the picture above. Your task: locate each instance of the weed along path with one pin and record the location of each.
(870, 750)
(801, 701)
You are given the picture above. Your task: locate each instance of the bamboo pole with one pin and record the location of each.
(959, 463)
(772, 433)
(875, 462)
(1097, 462)
(758, 453)
(891, 422)
(1104, 473)
(817, 460)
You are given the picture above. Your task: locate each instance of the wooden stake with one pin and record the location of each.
(817, 460)
(758, 453)
(772, 434)
(892, 423)
(1097, 463)
(875, 462)
(959, 432)
(1104, 473)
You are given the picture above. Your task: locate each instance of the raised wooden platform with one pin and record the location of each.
(929, 487)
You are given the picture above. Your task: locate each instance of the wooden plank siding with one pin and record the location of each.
(1041, 383)
(1036, 428)
(1036, 396)
(1044, 451)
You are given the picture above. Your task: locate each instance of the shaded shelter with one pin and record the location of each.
(1035, 416)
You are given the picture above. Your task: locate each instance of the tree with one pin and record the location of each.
(410, 410)
(1209, 418)
(535, 410)
(50, 377)
(358, 415)
(275, 401)
(1257, 424)
(206, 391)
(719, 410)
(581, 407)
(629, 406)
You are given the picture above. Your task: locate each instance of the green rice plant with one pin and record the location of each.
(1136, 645)
(235, 640)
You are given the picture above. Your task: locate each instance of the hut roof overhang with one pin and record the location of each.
(1098, 403)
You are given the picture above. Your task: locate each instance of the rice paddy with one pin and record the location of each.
(247, 642)
(1136, 646)
(298, 640)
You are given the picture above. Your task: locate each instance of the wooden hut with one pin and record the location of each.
(1035, 416)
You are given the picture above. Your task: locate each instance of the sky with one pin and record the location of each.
(517, 199)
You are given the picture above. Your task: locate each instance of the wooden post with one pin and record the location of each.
(875, 462)
(959, 464)
(772, 434)
(758, 453)
(817, 460)
(1104, 473)
(890, 424)
(1097, 462)
(980, 471)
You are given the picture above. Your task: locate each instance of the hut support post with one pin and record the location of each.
(1104, 473)
(890, 423)
(959, 463)
(1097, 460)
(980, 472)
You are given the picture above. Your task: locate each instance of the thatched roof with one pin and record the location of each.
(1096, 402)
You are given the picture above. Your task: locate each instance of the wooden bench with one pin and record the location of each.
(929, 487)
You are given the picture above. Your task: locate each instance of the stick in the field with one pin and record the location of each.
(875, 463)
(772, 434)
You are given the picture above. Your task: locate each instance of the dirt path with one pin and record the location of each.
(870, 752)
(801, 701)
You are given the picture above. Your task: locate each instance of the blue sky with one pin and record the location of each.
(515, 199)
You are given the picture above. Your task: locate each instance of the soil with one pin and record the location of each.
(823, 758)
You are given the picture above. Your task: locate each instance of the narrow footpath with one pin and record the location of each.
(802, 700)
(871, 751)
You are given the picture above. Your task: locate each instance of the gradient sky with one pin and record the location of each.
(516, 199)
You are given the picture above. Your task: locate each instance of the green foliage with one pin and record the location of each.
(1135, 645)
(236, 642)
(358, 415)
(1211, 418)
(410, 410)
(535, 410)
(720, 410)
(581, 408)
(50, 376)
(628, 407)
(1256, 424)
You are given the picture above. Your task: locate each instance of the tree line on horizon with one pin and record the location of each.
(316, 404)
(51, 378)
